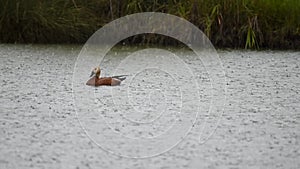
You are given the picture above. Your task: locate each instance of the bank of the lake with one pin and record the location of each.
(231, 23)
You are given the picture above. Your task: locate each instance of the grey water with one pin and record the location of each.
(41, 125)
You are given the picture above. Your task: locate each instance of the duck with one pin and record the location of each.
(96, 80)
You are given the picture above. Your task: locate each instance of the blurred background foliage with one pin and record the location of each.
(254, 24)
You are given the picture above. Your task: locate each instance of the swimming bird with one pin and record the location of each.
(96, 80)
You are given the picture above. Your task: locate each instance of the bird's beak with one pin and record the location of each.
(92, 74)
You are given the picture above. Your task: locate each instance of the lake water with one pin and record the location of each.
(43, 126)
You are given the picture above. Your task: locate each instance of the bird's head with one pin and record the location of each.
(96, 71)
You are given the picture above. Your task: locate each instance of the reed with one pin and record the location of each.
(228, 23)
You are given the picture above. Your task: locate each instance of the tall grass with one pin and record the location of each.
(228, 23)
(46, 21)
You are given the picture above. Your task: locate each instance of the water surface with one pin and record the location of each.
(259, 127)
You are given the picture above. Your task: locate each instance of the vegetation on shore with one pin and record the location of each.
(256, 24)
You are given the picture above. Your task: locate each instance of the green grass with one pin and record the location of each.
(251, 24)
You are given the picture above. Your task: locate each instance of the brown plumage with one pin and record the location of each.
(100, 81)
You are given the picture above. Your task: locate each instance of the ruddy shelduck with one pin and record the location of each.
(96, 80)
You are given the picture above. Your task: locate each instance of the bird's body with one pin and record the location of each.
(104, 81)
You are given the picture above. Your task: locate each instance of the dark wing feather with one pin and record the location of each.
(120, 77)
